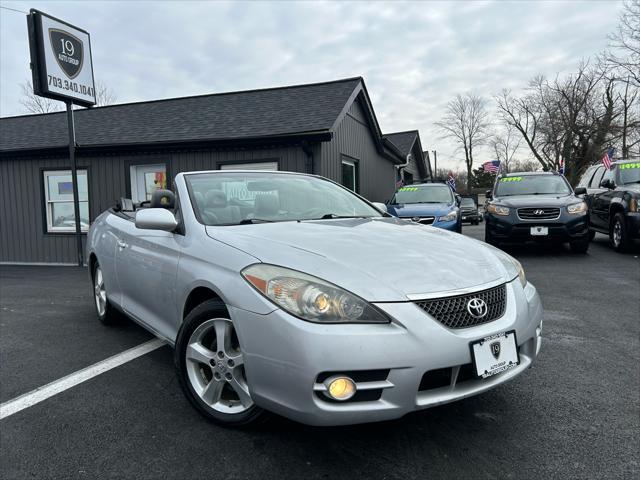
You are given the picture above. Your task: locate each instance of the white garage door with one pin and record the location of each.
(251, 166)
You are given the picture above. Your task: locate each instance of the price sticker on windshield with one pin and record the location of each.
(511, 179)
(408, 189)
(625, 166)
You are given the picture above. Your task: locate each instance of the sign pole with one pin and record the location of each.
(74, 181)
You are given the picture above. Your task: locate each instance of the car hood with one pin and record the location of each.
(518, 201)
(377, 259)
(419, 209)
(630, 187)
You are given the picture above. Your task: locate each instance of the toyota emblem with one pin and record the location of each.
(538, 212)
(477, 308)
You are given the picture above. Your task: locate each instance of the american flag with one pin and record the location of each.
(493, 166)
(608, 158)
(451, 181)
(399, 183)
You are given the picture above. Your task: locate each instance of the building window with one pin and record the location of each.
(350, 174)
(408, 178)
(146, 179)
(58, 194)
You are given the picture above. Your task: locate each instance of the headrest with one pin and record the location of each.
(163, 199)
(216, 199)
(199, 199)
(266, 204)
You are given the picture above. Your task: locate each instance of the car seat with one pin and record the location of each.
(218, 210)
(266, 206)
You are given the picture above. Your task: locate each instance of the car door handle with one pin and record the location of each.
(122, 244)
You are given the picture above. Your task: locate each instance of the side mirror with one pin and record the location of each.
(156, 219)
(380, 206)
(580, 191)
(608, 183)
(488, 194)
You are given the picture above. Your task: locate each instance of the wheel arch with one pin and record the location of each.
(616, 207)
(197, 296)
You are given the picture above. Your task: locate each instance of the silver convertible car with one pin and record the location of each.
(288, 293)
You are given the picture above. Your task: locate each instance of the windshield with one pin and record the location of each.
(629, 172)
(423, 194)
(468, 202)
(236, 198)
(532, 185)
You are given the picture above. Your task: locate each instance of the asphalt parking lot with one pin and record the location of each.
(575, 414)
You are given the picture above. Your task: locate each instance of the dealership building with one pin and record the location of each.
(129, 150)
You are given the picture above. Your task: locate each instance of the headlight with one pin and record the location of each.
(521, 275)
(498, 210)
(513, 266)
(448, 217)
(310, 298)
(577, 208)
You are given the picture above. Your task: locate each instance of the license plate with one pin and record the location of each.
(539, 230)
(495, 354)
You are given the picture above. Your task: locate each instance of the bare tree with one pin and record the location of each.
(104, 94)
(571, 118)
(525, 166)
(466, 122)
(36, 104)
(624, 46)
(505, 145)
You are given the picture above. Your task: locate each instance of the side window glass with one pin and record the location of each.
(597, 178)
(586, 176)
(609, 175)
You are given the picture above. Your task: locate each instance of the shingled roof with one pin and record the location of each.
(403, 140)
(254, 114)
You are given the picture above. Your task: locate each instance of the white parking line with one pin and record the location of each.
(33, 397)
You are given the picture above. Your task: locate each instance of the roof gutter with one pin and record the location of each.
(313, 136)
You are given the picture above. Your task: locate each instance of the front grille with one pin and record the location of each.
(422, 220)
(452, 311)
(543, 213)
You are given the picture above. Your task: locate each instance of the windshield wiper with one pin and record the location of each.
(248, 221)
(328, 216)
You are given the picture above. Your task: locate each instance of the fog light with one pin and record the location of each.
(340, 388)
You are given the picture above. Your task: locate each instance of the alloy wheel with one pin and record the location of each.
(215, 367)
(617, 233)
(100, 293)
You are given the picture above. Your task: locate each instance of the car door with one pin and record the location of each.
(601, 202)
(146, 265)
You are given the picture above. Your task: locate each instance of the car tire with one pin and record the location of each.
(618, 235)
(218, 388)
(580, 246)
(592, 235)
(104, 310)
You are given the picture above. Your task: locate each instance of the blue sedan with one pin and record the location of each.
(427, 203)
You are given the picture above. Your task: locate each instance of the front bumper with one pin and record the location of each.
(633, 224)
(472, 216)
(451, 225)
(285, 359)
(511, 228)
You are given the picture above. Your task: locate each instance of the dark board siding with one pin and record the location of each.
(22, 228)
(22, 224)
(354, 138)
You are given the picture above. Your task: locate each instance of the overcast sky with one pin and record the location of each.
(414, 57)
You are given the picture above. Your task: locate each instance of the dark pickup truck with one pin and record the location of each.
(612, 198)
